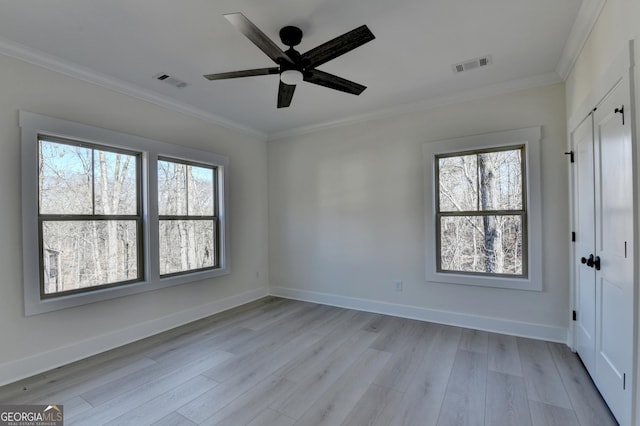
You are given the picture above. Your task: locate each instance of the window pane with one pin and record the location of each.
(201, 201)
(80, 254)
(500, 180)
(172, 194)
(483, 244)
(65, 179)
(186, 245)
(460, 242)
(115, 183)
(458, 178)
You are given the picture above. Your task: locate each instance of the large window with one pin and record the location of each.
(107, 214)
(481, 212)
(89, 216)
(482, 218)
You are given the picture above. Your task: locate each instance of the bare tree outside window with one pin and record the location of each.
(88, 216)
(481, 212)
(188, 217)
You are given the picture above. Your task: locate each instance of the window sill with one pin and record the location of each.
(530, 284)
(35, 305)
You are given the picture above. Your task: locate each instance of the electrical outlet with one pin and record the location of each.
(398, 285)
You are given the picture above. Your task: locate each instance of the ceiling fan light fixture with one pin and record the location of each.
(291, 77)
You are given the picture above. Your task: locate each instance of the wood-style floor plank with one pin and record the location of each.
(283, 362)
(313, 383)
(503, 354)
(464, 401)
(174, 419)
(474, 341)
(507, 403)
(271, 417)
(315, 357)
(163, 405)
(550, 415)
(244, 409)
(408, 353)
(421, 403)
(157, 372)
(585, 399)
(246, 376)
(541, 374)
(333, 406)
(121, 402)
(376, 407)
(75, 406)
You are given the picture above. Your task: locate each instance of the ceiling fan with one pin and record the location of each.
(294, 67)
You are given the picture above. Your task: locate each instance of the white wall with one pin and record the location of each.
(346, 216)
(617, 24)
(32, 344)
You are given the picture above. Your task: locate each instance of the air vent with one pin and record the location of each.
(170, 80)
(472, 64)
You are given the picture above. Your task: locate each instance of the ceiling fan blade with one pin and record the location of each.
(333, 82)
(245, 73)
(258, 38)
(285, 94)
(338, 46)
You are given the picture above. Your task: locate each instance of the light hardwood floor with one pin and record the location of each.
(281, 362)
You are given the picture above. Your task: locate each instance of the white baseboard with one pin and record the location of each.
(496, 325)
(16, 370)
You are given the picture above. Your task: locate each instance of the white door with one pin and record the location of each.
(585, 223)
(614, 245)
(604, 243)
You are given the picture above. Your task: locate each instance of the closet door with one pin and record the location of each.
(613, 254)
(585, 223)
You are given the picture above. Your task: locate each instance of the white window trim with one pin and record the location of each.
(33, 125)
(530, 137)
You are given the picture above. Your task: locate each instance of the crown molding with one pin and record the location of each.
(585, 20)
(517, 85)
(53, 63)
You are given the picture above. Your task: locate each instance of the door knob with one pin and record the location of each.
(596, 263)
(590, 261)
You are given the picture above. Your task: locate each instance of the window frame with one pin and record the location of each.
(66, 217)
(32, 126)
(187, 216)
(522, 212)
(529, 139)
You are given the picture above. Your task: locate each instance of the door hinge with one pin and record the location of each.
(624, 381)
(570, 154)
(575, 315)
(621, 111)
(573, 237)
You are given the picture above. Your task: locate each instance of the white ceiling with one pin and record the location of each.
(122, 44)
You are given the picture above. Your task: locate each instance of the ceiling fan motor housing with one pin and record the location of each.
(290, 36)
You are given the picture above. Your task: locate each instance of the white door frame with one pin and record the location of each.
(622, 66)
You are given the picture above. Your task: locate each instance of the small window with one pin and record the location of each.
(483, 221)
(481, 212)
(89, 216)
(188, 217)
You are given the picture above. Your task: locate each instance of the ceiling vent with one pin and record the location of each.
(472, 64)
(170, 80)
